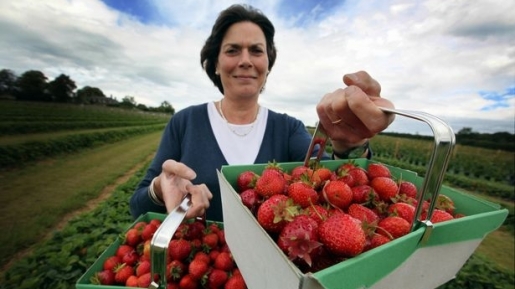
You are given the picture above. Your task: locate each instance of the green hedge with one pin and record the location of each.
(19, 155)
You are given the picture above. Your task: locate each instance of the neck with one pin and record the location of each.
(238, 115)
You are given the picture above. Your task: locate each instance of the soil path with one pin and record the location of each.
(90, 205)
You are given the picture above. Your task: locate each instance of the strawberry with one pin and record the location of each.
(111, 263)
(104, 277)
(439, 216)
(393, 227)
(375, 170)
(271, 182)
(224, 261)
(216, 278)
(122, 273)
(364, 194)
(299, 239)
(197, 268)
(342, 235)
(189, 282)
(275, 212)
(298, 172)
(338, 194)
(179, 249)
(363, 213)
(408, 188)
(130, 258)
(385, 187)
(210, 241)
(359, 176)
(246, 180)
(302, 194)
(403, 210)
(250, 199)
(132, 237)
(123, 250)
(317, 213)
(175, 269)
(320, 176)
(144, 280)
(376, 240)
(132, 281)
(445, 203)
(235, 282)
(148, 231)
(143, 267)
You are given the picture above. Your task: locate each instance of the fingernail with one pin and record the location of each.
(353, 77)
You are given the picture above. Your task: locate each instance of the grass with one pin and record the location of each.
(37, 197)
(498, 247)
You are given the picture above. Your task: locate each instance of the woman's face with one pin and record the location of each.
(243, 60)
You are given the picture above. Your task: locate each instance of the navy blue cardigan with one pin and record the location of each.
(189, 138)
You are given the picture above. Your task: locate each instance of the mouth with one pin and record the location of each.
(245, 77)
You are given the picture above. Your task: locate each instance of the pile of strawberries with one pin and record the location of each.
(198, 257)
(319, 217)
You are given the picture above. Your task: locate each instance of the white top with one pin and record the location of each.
(240, 143)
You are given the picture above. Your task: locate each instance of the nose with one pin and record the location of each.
(245, 60)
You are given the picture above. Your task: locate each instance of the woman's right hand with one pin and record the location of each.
(174, 183)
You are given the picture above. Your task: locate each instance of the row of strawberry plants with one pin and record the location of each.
(17, 128)
(21, 154)
(477, 163)
(60, 261)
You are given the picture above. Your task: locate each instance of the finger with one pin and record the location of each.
(364, 81)
(367, 111)
(200, 200)
(172, 167)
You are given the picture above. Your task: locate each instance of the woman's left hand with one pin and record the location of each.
(350, 116)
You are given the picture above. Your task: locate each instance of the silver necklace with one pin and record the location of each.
(229, 125)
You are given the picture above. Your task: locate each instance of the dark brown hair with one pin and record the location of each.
(235, 14)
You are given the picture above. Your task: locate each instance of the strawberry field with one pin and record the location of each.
(38, 132)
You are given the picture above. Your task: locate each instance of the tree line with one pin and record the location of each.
(33, 85)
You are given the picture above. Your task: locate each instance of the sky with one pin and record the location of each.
(452, 59)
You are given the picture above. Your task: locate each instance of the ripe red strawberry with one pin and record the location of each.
(144, 280)
(179, 249)
(112, 262)
(122, 273)
(197, 268)
(364, 194)
(246, 180)
(408, 188)
(123, 250)
(342, 235)
(132, 237)
(275, 212)
(375, 170)
(224, 261)
(393, 226)
(104, 277)
(299, 239)
(385, 187)
(210, 241)
(132, 281)
(359, 176)
(320, 176)
(363, 213)
(250, 199)
(131, 258)
(175, 269)
(376, 240)
(148, 231)
(403, 210)
(271, 182)
(338, 194)
(438, 216)
(346, 167)
(189, 282)
(143, 267)
(216, 278)
(302, 194)
(235, 282)
(317, 213)
(299, 172)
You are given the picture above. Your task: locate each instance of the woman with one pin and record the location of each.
(238, 57)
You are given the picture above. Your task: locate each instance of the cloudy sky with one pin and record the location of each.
(453, 59)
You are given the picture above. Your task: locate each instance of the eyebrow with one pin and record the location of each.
(259, 44)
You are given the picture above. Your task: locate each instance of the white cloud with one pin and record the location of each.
(430, 55)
